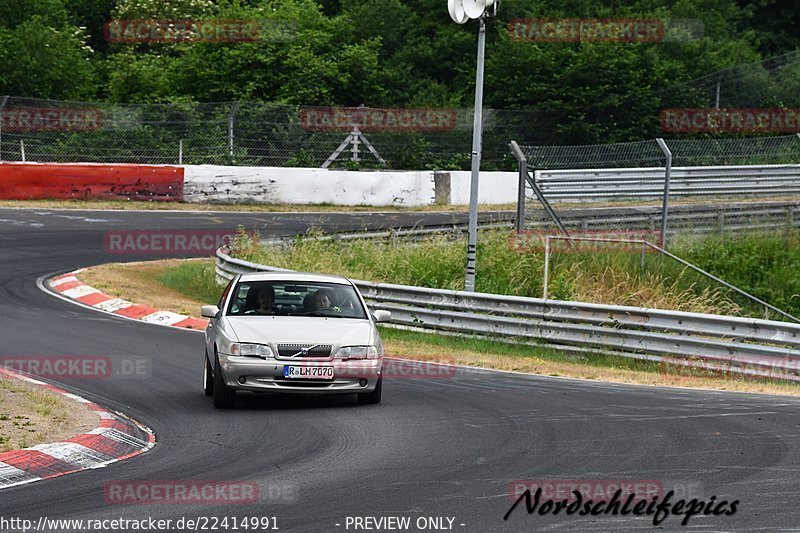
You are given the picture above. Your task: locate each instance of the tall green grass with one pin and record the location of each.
(764, 265)
(193, 278)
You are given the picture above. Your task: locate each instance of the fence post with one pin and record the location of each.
(180, 151)
(546, 266)
(667, 175)
(2, 105)
(522, 164)
(22, 149)
(234, 109)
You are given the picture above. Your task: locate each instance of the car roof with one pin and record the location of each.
(294, 277)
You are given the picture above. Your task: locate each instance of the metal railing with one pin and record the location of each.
(738, 345)
(761, 167)
(698, 218)
(648, 183)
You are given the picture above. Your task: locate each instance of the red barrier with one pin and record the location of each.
(24, 181)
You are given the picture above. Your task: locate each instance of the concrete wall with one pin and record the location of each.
(226, 184)
(211, 183)
(493, 187)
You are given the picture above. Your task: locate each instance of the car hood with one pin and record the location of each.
(313, 330)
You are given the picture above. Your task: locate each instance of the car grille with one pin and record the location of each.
(288, 350)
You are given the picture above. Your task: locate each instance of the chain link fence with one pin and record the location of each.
(773, 82)
(622, 186)
(259, 134)
(608, 198)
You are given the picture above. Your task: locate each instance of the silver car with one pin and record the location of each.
(290, 332)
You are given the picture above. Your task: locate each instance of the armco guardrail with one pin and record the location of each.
(739, 345)
(749, 216)
(648, 183)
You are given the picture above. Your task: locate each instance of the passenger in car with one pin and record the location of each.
(322, 299)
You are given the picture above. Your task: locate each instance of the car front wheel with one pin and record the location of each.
(208, 377)
(224, 397)
(374, 396)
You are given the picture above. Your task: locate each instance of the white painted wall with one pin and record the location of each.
(213, 183)
(493, 187)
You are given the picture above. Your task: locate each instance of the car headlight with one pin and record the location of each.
(357, 352)
(251, 350)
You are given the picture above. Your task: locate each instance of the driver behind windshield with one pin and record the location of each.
(261, 300)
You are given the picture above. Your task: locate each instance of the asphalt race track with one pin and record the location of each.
(446, 447)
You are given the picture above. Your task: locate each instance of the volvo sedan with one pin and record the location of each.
(295, 333)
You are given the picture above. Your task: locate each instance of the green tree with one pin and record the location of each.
(43, 56)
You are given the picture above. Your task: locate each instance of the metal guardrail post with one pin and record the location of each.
(667, 175)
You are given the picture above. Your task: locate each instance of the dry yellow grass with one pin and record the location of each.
(137, 282)
(653, 292)
(30, 415)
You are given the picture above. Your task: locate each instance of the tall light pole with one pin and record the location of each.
(461, 11)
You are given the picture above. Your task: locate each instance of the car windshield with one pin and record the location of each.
(295, 298)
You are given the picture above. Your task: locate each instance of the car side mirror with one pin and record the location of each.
(209, 311)
(381, 315)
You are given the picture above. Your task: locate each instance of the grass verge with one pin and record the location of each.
(168, 285)
(30, 415)
(760, 264)
(144, 205)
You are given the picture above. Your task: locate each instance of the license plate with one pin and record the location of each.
(308, 372)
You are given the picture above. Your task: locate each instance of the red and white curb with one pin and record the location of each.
(70, 287)
(116, 438)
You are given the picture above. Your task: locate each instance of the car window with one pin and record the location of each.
(224, 296)
(296, 299)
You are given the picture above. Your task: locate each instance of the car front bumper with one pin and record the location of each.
(266, 375)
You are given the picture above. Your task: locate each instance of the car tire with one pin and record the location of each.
(374, 396)
(208, 377)
(224, 396)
